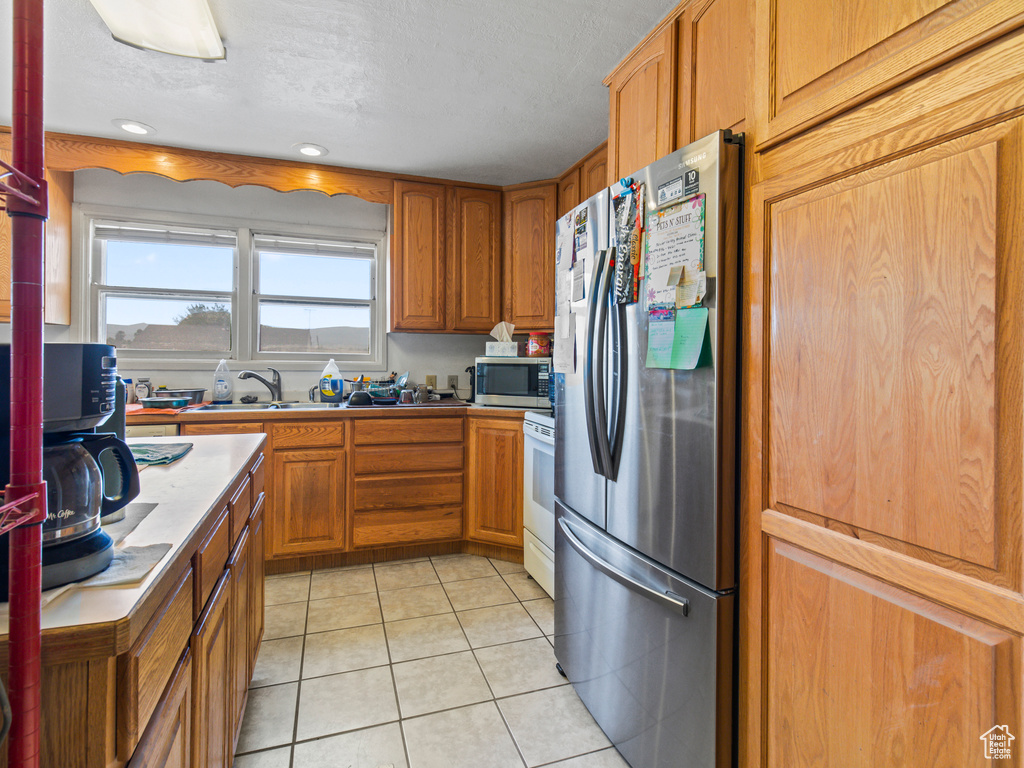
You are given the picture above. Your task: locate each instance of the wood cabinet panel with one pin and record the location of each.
(400, 430)
(407, 458)
(530, 257)
(407, 490)
(223, 428)
(406, 526)
(212, 681)
(642, 96)
(240, 506)
(862, 674)
(307, 434)
(418, 257)
(494, 490)
(145, 671)
(167, 742)
(817, 59)
(894, 346)
(240, 567)
(569, 190)
(594, 173)
(474, 263)
(258, 475)
(209, 559)
(57, 250)
(715, 60)
(309, 502)
(257, 574)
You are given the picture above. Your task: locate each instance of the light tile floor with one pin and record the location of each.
(443, 662)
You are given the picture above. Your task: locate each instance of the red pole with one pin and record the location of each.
(27, 237)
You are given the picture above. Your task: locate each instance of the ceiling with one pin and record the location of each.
(488, 91)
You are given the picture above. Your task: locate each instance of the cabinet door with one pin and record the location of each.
(594, 174)
(257, 574)
(418, 257)
(715, 59)
(642, 93)
(308, 514)
(494, 497)
(57, 267)
(530, 257)
(240, 566)
(815, 60)
(883, 516)
(167, 741)
(212, 681)
(569, 191)
(474, 269)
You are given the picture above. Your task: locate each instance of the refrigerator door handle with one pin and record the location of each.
(601, 299)
(619, 363)
(670, 600)
(590, 406)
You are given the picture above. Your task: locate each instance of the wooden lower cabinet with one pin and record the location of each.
(257, 574)
(494, 488)
(212, 680)
(240, 567)
(167, 743)
(309, 501)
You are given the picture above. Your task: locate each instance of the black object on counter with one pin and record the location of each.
(359, 400)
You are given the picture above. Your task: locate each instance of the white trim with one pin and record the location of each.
(85, 309)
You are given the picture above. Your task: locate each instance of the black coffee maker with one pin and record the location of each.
(88, 474)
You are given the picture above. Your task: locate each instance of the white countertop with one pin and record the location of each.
(185, 493)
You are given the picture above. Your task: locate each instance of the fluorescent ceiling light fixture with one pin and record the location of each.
(181, 27)
(311, 150)
(134, 126)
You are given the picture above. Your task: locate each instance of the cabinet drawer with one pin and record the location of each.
(146, 670)
(258, 474)
(379, 460)
(405, 491)
(210, 559)
(406, 430)
(167, 740)
(406, 526)
(240, 506)
(308, 435)
(237, 428)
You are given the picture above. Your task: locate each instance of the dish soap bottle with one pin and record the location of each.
(331, 387)
(222, 388)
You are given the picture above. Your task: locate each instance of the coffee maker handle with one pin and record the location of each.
(97, 444)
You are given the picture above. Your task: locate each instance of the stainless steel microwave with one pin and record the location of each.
(517, 382)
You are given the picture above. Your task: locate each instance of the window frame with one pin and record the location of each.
(87, 271)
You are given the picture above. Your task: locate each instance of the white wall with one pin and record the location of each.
(420, 354)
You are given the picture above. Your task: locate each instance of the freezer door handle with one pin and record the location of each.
(601, 300)
(620, 351)
(670, 600)
(592, 375)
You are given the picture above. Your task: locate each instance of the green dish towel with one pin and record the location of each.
(149, 454)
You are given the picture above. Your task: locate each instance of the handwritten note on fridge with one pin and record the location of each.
(675, 251)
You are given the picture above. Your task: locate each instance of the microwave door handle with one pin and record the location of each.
(589, 405)
(601, 299)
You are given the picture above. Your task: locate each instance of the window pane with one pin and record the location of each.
(329, 277)
(178, 324)
(313, 328)
(168, 265)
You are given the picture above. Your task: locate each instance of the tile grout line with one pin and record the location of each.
(391, 669)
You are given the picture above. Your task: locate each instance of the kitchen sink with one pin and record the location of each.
(294, 405)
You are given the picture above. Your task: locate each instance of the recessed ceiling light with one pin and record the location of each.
(311, 150)
(134, 126)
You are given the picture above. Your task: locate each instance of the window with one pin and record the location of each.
(170, 292)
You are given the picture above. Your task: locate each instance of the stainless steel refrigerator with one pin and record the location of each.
(645, 485)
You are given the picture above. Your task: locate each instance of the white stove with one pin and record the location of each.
(539, 498)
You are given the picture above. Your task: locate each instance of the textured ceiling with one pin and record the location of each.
(489, 91)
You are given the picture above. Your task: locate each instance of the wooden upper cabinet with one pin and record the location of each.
(474, 263)
(530, 256)
(418, 257)
(57, 269)
(715, 59)
(642, 101)
(570, 193)
(817, 59)
(594, 173)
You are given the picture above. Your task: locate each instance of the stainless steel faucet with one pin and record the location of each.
(274, 385)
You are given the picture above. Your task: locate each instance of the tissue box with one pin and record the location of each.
(502, 349)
